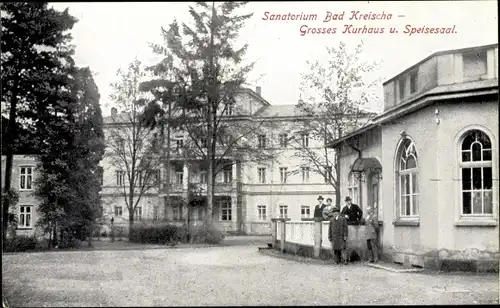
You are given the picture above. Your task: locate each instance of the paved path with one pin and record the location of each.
(229, 275)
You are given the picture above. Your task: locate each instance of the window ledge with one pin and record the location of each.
(410, 223)
(25, 228)
(476, 223)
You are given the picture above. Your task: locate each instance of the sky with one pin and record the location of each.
(108, 36)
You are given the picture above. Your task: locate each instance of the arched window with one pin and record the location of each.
(353, 184)
(408, 179)
(476, 172)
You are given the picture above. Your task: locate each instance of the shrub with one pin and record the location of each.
(21, 243)
(206, 233)
(96, 232)
(119, 231)
(156, 234)
(69, 242)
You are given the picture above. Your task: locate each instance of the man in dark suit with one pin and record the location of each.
(352, 212)
(318, 209)
(337, 235)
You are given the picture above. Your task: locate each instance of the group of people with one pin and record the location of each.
(351, 214)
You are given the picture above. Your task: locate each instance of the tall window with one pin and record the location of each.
(305, 139)
(153, 176)
(352, 188)
(118, 211)
(305, 174)
(225, 213)
(120, 178)
(408, 179)
(155, 212)
(228, 174)
(179, 143)
(262, 141)
(305, 211)
(262, 175)
(475, 63)
(138, 213)
(139, 178)
(402, 87)
(177, 212)
(26, 178)
(229, 109)
(261, 211)
(413, 81)
(283, 140)
(328, 174)
(283, 174)
(283, 211)
(200, 213)
(25, 218)
(203, 175)
(476, 171)
(203, 143)
(179, 177)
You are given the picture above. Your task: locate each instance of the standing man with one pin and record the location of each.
(318, 210)
(328, 208)
(352, 212)
(337, 235)
(372, 235)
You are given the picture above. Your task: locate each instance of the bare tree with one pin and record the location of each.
(130, 144)
(337, 95)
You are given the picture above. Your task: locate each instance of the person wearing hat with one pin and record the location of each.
(371, 234)
(328, 208)
(337, 235)
(352, 212)
(318, 209)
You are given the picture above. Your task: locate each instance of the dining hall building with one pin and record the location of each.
(429, 162)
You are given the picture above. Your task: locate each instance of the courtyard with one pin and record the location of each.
(235, 274)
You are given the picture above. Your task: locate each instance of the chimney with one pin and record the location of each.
(114, 112)
(258, 90)
(300, 99)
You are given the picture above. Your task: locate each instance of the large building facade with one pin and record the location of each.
(24, 214)
(248, 192)
(429, 162)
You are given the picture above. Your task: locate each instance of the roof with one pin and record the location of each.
(365, 163)
(460, 90)
(439, 53)
(278, 111)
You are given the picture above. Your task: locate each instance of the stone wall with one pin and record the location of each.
(470, 260)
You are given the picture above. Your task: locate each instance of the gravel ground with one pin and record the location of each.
(228, 275)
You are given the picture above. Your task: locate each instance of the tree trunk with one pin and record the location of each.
(166, 164)
(10, 134)
(90, 228)
(54, 235)
(130, 220)
(131, 206)
(210, 125)
(6, 201)
(50, 236)
(337, 169)
(210, 190)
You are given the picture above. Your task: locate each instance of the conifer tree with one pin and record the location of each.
(35, 60)
(206, 72)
